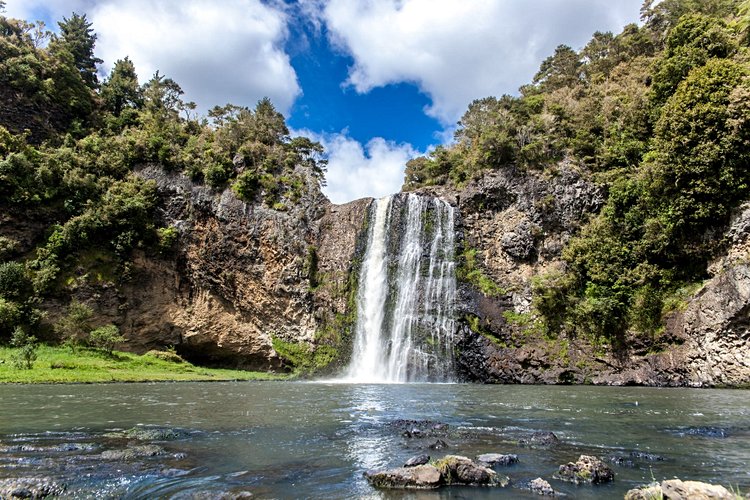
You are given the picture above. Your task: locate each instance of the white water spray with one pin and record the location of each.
(406, 295)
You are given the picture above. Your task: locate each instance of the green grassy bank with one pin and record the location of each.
(63, 365)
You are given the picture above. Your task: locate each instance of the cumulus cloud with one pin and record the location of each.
(230, 50)
(356, 171)
(456, 51)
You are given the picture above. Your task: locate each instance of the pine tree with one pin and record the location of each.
(77, 36)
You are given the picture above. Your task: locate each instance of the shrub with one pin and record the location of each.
(106, 338)
(27, 346)
(74, 326)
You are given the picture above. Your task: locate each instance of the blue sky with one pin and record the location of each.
(376, 81)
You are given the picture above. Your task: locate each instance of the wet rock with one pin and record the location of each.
(644, 455)
(586, 469)
(420, 428)
(540, 438)
(420, 477)
(709, 432)
(541, 487)
(417, 460)
(622, 461)
(458, 470)
(497, 459)
(148, 434)
(213, 495)
(439, 445)
(29, 487)
(675, 489)
(133, 452)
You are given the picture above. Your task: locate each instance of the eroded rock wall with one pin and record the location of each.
(518, 222)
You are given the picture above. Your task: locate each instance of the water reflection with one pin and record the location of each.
(287, 440)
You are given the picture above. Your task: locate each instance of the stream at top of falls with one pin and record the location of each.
(315, 440)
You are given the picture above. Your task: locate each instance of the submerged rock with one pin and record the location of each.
(438, 445)
(539, 438)
(644, 455)
(708, 432)
(30, 487)
(497, 459)
(455, 469)
(586, 469)
(675, 489)
(417, 460)
(148, 434)
(133, 452)
(420, 477)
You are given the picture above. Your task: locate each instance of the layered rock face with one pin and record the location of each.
(244, 276)
(241, 276)
(518, 222)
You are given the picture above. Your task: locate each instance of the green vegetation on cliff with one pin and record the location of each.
(70, 147)
(659, 116)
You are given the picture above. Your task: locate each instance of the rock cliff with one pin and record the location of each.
(242, 278)
(248, 286)
(517, 223)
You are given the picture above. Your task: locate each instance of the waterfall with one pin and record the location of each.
(406, 294)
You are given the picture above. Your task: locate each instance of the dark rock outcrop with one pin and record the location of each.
(497, 459)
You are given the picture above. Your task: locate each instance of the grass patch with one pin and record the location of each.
(61, 365)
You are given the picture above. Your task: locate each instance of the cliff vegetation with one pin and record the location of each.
(657, 118)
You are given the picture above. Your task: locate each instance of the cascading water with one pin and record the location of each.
(406, 295)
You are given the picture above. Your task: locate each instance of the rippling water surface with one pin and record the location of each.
(314, 440)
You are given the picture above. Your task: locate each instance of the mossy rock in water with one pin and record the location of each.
(458, 470)
(586, 469)
(420, 477)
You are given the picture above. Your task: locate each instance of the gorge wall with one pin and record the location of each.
(252, 287)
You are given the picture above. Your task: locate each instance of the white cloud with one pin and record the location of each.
(230, 51)
(459, 50)
(356, 171)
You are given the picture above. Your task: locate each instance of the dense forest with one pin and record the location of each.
(69, 144)
(659, 115)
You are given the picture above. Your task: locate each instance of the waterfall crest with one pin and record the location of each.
(406, 294)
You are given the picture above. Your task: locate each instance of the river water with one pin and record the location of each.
(315, 440)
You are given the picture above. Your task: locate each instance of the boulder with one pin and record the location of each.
(455, 469)
(30, 487)
(586, 469)
(541, 487)
(497, 459)
(417, 460)
(675, 489)
(420, 477)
